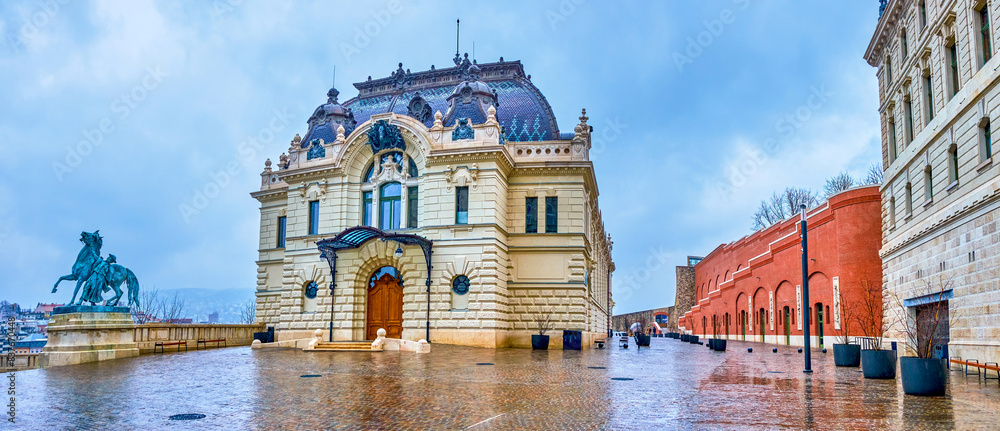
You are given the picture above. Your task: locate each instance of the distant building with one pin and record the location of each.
(9, 309)
(30, 344)
(684, 294)
(655, 321)
(213, 317)
(46, 309)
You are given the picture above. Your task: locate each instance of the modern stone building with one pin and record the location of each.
(938, 90)
(443, 204)
(751, 288)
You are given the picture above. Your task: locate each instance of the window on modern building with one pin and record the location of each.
(551, 214)
(892, 211)
(928, 185)
(953, 164)
(985, 44)
(366, 209)
(902, 44)
(282, 226)
(953, 69)
(390, 205)
(530, 215)
(922, 7)
(909, 120)
(985, 141)
(461, 205)
(411, 207)
(313, 217)
(909, 199)
(929, 97)
(892, 140)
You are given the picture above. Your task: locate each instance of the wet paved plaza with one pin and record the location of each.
(674, 385)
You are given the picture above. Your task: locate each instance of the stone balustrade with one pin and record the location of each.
(146, 335)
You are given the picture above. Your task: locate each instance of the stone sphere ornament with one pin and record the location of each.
(749, 349)
(824, 350)
(775, 350)
(800, 350)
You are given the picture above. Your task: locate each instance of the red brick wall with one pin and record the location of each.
(844, 238)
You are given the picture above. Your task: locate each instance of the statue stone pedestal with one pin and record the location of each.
(80, 334)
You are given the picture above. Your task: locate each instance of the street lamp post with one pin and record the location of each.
(805, 289)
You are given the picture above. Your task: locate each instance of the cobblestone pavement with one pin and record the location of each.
(674, 385)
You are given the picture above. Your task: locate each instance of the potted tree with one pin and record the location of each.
(846, 354)
(875, 362)
(922, 373)
(540, 341)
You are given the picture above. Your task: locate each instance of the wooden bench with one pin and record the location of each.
(205, 342)
(599, 343)
(162, 344)
(988, 366)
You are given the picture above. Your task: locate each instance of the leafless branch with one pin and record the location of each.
(248, 314)
(544, 321)
(838, 183)
(875, 175)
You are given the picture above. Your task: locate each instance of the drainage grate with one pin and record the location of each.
(622, 378)
(598, 368)
(311, 375)
(776, 372)
(484, 363)
(187, 417)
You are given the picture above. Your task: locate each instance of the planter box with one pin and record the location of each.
(693, 339)
(642, 340)
(847, 355)
(922, 376)
(878, 364)
(685, 338)
(717, 344)
(540, 342)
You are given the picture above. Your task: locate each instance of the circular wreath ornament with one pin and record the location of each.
(312, 289)
(460, 285)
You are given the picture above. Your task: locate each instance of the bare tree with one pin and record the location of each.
(926, 328)
(875, 175)
(148, 307)
(248, 314)
(838, 183)
(848, 313)
(173, 309)
(781, 206)
(544, 321)
(871, 315)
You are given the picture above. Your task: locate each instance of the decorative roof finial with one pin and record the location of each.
(881, 7)
(458, 59)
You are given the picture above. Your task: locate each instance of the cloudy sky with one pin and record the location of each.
(123, 116)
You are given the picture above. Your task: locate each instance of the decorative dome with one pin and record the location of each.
(471, 98)
(327, 117)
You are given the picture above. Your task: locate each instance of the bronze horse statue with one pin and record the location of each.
(88, 259)
(109, 274)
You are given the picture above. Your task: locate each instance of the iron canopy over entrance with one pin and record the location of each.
(355, 237)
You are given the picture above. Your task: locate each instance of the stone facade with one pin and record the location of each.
(684, 297)
(513, 274)
(751, 289)
(937, 70)
(655, 320)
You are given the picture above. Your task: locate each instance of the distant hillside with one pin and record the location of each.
(199, 302)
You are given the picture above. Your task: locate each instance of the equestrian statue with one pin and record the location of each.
(98, 275)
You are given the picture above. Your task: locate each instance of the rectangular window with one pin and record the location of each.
(923, 15)
(461, 205)
(366, 209)
(909, 121)
(953, 164)
(985, 142)
(411, 207)
(888, 72)
(892, 140)
(892, 211)
(902, 44)
(313, 217)
(530, 215)
(551, 214)
(928, 185)
(984, 34)
(282, 224)
(929, 97)
(909, 199)
(953, 68)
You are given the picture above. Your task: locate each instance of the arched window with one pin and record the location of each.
(390, 206)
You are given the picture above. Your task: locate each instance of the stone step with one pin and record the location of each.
(345, 346)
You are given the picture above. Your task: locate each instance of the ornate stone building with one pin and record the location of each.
(938, 78)
(442, 204)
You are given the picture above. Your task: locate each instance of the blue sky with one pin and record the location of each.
(117, 114)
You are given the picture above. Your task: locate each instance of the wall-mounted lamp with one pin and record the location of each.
(399, 251)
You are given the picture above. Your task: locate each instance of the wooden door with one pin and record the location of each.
(385, 308)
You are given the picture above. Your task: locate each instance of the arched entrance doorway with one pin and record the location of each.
(385, 304)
